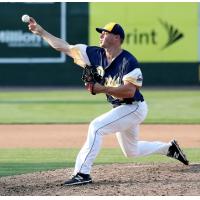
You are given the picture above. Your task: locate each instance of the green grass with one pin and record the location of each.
(77, 106)
(70, 106)
(21, 161)
(173, 106)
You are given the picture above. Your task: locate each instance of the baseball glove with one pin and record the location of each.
(90, 76)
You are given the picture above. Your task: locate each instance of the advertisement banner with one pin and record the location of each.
(155, 31)
(18, 44)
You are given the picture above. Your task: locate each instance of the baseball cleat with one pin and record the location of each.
(176, 153)
(78, 179)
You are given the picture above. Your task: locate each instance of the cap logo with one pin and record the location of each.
(109, 26)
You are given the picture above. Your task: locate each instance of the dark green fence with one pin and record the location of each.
(18, 59)
(171, 74)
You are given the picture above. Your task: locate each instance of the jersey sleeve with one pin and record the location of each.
(134, 77)
(95, 55)
(79, 54)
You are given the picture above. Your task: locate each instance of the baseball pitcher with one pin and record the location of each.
(111, 70)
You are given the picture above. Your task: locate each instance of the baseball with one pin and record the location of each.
(25, 18)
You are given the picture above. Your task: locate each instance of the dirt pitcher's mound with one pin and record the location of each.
(115, 179)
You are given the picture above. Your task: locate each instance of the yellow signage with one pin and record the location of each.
(155, 31)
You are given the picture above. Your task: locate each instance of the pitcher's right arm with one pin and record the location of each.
(57, 43)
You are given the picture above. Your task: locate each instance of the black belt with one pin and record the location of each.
(126, 103)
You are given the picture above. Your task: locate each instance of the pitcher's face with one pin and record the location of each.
(106, 39)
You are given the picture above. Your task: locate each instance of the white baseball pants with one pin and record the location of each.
(124, 121)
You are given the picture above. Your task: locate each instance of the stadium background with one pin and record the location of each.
(26, 60)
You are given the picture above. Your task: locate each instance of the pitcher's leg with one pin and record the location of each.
(131, 147)
(89, 151)
(128, 141)
(109, 123)
(156, 147)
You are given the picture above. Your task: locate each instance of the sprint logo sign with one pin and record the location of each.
(163, 41)
(151, 36)
(174, 35)
(155, 31)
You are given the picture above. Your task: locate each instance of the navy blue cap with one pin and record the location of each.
(112, 28)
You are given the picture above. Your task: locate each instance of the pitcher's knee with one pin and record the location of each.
(95, 127)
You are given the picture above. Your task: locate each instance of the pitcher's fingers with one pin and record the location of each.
(31, 26)
(32, 21)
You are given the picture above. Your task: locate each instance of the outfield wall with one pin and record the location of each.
(163, 36)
